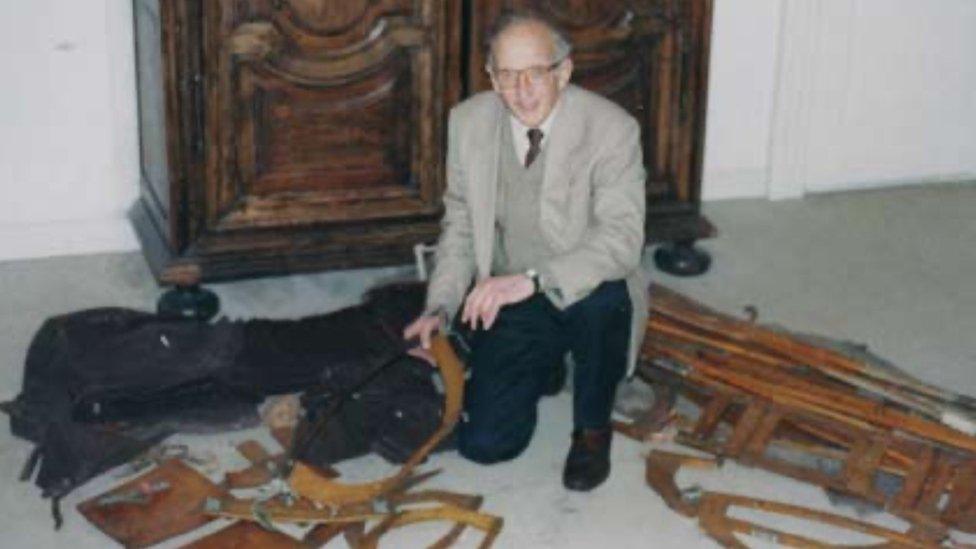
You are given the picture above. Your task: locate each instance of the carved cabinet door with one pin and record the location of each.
(316, 130)
(650, 56)
(328, 111)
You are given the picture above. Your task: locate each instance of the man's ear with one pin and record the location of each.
(491, 78)
(564, 72)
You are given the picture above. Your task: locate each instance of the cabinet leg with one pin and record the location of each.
(682, 258)
(188, 302)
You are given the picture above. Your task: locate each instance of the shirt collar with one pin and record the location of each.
(521, 130)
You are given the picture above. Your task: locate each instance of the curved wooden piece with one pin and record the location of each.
(675, 330)
(716, 522)
(276, 511)
(489, 524)
(351, 531)
(853, 410)
(661, 468)
(304, 481)
(354, 531)
(458, 508)
(674, 305)
(463, 501)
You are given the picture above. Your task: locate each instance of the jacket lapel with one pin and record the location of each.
(484, 182)
(561, 160)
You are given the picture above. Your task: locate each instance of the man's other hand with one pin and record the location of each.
(491, 294)
(422, 328)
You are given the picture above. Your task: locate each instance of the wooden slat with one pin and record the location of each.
(745, 428)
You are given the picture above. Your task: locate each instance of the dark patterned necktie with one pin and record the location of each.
(535, 142)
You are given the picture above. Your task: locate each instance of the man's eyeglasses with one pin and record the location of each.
(508, 78)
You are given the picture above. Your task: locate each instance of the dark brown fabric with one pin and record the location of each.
(101, 386)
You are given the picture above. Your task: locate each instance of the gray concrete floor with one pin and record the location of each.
(893, 269)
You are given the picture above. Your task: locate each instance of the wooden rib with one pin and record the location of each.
(709, 376)
(715, 520)
(659, 472)
(756, 447)
(674, 331)
(669, 303)
(277, 511)
(462, 501)
(936, 485)
(744, 428)
(489, 524)
(862, 462)
(915, 479)
(842, 407)
(962, 496)
(711, 415)
(896, 460)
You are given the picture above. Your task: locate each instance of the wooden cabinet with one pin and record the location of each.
(293, 135)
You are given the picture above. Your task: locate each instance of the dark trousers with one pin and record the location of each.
(512, 362)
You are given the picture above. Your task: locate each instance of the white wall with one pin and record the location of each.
(896, 89)
(68, 142)
(805, 96)
(872, 93)
(740, 97)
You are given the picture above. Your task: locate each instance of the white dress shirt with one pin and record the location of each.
(520, 132)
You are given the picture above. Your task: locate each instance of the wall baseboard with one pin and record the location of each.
(58, 238)
(20, 241)
(891, 183)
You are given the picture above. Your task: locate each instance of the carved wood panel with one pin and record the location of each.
(326, 111)
(293, 135)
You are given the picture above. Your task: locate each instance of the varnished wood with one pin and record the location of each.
(716, 520)
(281, 136)
(245, 535)
(175, 510)
(299, 134)
(866, 429)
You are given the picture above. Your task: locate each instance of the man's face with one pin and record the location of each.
(522, 75)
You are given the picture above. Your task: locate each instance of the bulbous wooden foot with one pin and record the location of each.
(682, 259)
(188, 302)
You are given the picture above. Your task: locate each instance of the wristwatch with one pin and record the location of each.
(536, 280)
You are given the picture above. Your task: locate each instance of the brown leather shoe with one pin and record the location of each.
(588, 462)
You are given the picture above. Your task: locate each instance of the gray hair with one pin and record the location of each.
(561, 47)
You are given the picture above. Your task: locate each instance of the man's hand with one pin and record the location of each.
(491, 294)
(423, 327)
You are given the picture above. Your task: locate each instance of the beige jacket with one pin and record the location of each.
(592, 205)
